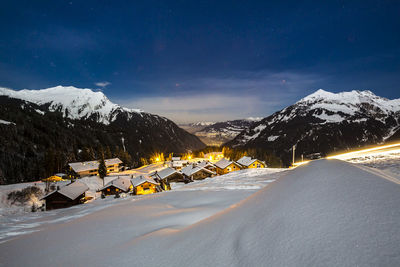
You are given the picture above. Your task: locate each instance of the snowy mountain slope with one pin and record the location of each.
(326, 213)
(74, 103)
(220, 132)
(66, 120)
(325, 122)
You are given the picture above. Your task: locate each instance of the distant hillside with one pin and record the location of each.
(325, 122)
(64, 120)
(218, 133)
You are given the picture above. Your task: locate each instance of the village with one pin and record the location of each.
(149, 179)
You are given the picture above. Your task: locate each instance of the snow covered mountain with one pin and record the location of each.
(65, 120)
(74, 103)
(217, 133)
(325, 122)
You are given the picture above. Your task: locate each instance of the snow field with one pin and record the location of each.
(325, 213)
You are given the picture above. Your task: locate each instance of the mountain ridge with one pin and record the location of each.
(42, 124)
(324, 122)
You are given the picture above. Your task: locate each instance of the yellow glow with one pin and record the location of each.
(373, 150)
(189, 157)
(210, 157)
(53, 179)
(378, 150)
(157, 159)
(296, 164)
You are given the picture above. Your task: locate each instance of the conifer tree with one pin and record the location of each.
(107, 153)
(102, 168)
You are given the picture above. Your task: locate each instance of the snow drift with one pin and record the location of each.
(326, 213)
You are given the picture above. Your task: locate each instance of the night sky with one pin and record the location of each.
(202, 60)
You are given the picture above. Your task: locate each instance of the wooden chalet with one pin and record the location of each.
(249, 163)
(121, 184)
(168, 174)
(67, 196)
(91, 168)
(197, 173)
(143, 185)
(207, 165)
(225, 166)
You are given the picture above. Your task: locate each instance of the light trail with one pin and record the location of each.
(385, 149)
(373, 151)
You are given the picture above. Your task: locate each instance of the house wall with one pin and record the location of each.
(256, 164)
(175, 178)
(145, 188)
(112, 190)
(200, 175)
(110, 169)
(230, 168)
(58, 201)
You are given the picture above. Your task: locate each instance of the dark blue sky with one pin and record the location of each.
(202, 60)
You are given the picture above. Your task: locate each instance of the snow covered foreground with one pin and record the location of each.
(325, 213)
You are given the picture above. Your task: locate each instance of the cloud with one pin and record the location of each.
(242, 95)
(102, 84)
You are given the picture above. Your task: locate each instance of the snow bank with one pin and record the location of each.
(325, 213)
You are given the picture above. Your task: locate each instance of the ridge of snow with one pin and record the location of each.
(203, 123)
(6, 122)
(73, 102)
(349, 101)
(254, 118)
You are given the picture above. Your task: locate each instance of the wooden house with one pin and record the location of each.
(167, 176)
(207, 165)
(143, 185)
(121, 184)
(179, 164)
(67, 196)
(197, 173)
(249, 163)
(91, 168)
(225, 166)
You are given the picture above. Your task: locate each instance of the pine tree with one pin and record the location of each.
(99, 151)
(102, 168)
(107, 153)
(86, 154)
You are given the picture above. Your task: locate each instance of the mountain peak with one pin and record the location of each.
(73, 102)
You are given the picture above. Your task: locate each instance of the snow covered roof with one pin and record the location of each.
(179, 163)
(246, 161)
(190, 170)
(164, 173)
(176, 158)
(72, 190)
(92, 165)
(204, 164)
(122, 182)
(142, 179)
(223, 163)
